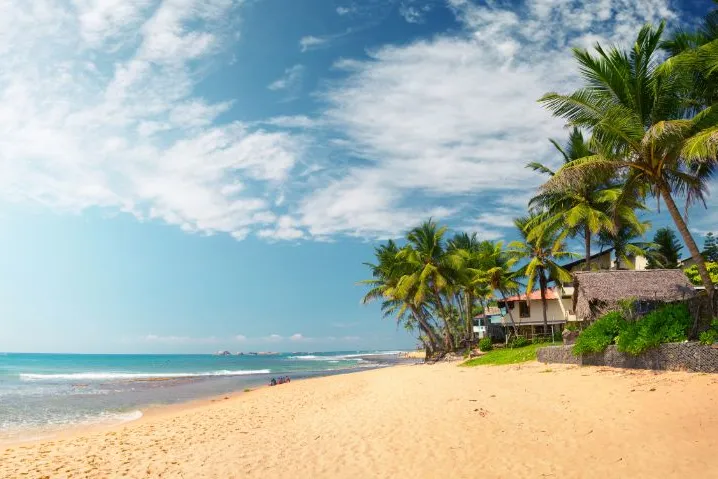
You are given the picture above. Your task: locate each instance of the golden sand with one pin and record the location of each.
(415, 422)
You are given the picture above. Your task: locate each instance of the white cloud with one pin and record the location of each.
(290, 80)
(297, 337)
(273, 338)
(346, 10)
(241, 338)
(456, 117)
(311, 42)
(412, 12)
(98, 108)
(286, 229)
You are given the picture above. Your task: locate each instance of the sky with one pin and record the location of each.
(197, 175)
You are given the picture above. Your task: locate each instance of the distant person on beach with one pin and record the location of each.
(273, 382)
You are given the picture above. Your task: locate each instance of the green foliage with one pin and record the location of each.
(710, 248)
(519, 342)
(503, 356)
(557, 337)
(602, 333)
(668, 324)
(695, 278)
(485, 345)
(668, 252)
(572, 326)
(708, 337)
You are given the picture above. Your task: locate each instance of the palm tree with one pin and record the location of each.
(642, 131)
(428, 272)
(386, 273)
(587, 209)
(695, 54)
(541, 252)
(627, 244)
(496, 272)
(464, 257)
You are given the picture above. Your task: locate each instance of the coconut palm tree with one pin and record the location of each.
(386, 273)
(627, 243)
(541, 253)
(586, 209)
(695, 54)
(641, 131)
(496, 271)
(428, 273)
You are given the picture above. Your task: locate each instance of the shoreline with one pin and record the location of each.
(562, 421)
(33, 435)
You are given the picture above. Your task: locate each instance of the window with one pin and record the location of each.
(524, 310)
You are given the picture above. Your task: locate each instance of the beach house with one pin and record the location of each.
(527, 311)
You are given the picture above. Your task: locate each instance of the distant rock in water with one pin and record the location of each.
(240, 353)
(223, 353)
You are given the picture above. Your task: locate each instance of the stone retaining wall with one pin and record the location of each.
(669, 357)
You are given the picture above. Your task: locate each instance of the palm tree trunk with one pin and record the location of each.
(544, 304)
(691, 244)
(448, 338)
(426, 327)
(469, 317)
(511, 315)
(587, 234)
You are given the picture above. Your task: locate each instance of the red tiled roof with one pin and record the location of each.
(535, 295)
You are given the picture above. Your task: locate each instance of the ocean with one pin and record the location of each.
(43, 393)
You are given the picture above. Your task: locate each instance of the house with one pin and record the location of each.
(595, 292)
(490, 319)
(603, 261)
(527, 311)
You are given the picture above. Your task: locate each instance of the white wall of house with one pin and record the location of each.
(554, 312)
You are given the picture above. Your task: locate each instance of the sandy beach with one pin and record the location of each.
(414, 422)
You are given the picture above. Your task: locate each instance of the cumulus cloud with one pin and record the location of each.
(455, 117)
(128, 132)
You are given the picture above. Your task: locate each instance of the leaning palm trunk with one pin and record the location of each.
(692, 247)
(511, 315)
(448, 337)
(544, 304)
(469, 317)
(587, 233)
(426, 327)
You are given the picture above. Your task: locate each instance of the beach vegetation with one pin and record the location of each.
(708, 337)
(504, 356)
(485, 345)
(694, 276)
(599, 335)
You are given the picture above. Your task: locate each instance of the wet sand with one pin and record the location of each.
(415, 422)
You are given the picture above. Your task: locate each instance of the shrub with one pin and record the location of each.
(572, 326)
(557, 337)
(708, 337)
(485, 345)
(598, 336)
(668, 324)
(519, 342)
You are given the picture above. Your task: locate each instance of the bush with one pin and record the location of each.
(485, 345)
(668, 324)
(708, 337)
(557, 337)
(519, 342)
(598, 336)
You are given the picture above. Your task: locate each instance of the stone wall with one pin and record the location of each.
(670, 357)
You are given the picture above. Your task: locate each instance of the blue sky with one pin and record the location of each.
(194, 175)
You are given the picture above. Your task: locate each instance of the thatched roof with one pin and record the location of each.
(601, 290)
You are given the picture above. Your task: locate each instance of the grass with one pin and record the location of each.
(498, 357)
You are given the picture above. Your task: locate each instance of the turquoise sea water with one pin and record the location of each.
(44, 392)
